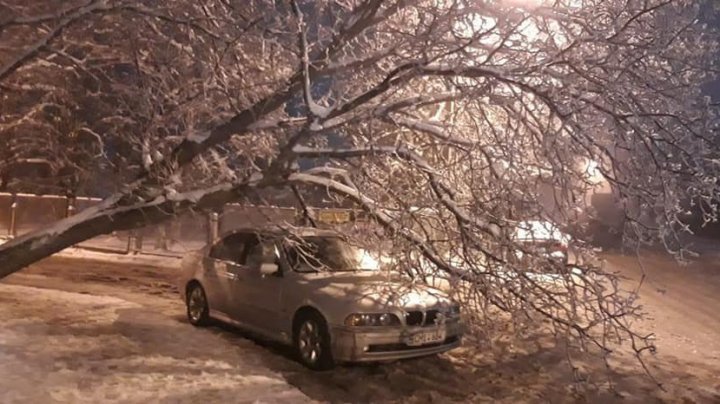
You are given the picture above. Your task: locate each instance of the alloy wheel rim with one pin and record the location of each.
(196, 304)
(309, 342)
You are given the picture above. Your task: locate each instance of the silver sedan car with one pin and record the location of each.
(317, 292)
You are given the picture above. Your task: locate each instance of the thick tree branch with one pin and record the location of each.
(360, 19)
(443, 191)
(109, 216)
(65, 21)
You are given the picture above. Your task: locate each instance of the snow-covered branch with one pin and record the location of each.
(65, 19)
(111, 215)
(443, 191)
(316, 110)
(451, 123)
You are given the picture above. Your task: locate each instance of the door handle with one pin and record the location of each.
(231, 271)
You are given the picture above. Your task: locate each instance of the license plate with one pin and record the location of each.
(427, 337)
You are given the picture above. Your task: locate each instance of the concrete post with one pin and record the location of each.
(130, 243)
(70, 208)
(12, 230)
(138, 241)
(213, 227)
(135, 241)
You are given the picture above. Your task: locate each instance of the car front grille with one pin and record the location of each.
(427, 318)
(431, 317)
(414, 318)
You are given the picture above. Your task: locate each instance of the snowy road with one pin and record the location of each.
(79, 347)
(78, 331)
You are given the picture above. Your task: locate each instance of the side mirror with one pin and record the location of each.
(268, 269)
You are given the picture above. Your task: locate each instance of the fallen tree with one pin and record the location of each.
(486, 114)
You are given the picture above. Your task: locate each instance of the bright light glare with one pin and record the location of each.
(528, 32)
(367, 261)
(524, 2)
(593, 174)
(538, 3)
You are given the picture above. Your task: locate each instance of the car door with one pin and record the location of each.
(221, 271)
(210, 277)
(260, 296)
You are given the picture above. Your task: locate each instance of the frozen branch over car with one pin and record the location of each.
(459, 127)
(110, 216)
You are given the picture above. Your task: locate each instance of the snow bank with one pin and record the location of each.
(139, 259)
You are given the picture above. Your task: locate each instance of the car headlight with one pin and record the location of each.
(372, 319)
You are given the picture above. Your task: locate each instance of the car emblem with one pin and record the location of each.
(440, 319)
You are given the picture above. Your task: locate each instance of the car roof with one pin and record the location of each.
(275, 230)
(538, 230)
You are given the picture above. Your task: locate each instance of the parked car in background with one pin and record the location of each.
(543, 238)
(317, 292)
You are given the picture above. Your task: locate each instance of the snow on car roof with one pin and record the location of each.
(539, 230)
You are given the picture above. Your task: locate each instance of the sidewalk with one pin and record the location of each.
(87, 254)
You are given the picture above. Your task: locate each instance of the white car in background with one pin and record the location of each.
(542, 238)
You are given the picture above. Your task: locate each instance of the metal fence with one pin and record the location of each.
(22, 213)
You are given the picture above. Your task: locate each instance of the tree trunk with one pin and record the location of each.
(110, 216)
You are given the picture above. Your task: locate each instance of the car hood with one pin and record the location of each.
(369, 291)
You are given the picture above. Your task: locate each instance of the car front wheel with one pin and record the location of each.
(312, 342)
(197, 306)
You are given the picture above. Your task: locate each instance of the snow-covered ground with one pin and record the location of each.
(129, 259)
(97, 254)
(80, 329)
(58, 346)
(118, 244)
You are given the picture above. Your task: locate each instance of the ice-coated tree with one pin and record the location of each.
(447, 121)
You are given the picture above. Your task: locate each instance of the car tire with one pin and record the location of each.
(198, 312)
(312, 341)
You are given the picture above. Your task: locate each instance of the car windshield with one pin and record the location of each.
(329, 254)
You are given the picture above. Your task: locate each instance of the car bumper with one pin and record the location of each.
(369, 345)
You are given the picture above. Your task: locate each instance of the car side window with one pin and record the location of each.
(231, 248)
(244, 250)
(253, 258)
(259, 251)
(218, 251)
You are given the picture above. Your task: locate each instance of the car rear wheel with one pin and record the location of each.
(312, 342)
(197, 306)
